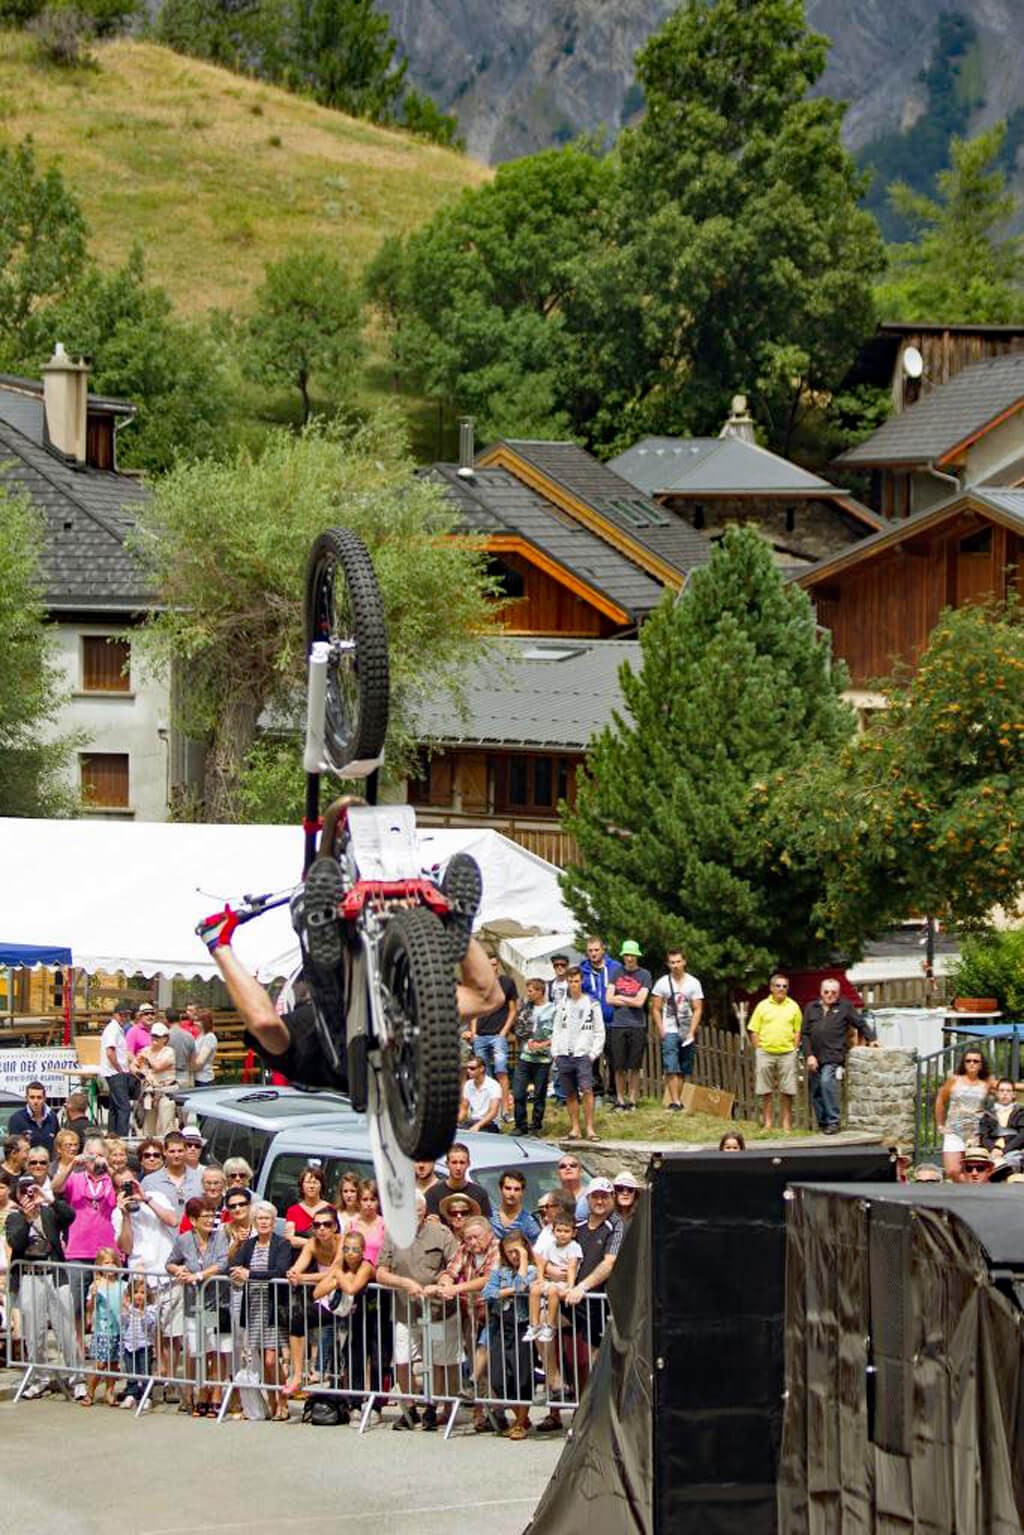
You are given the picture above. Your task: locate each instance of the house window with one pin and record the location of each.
(104, 780)
(533, 785)
(105, 664)
(977, 543)
(511, 582)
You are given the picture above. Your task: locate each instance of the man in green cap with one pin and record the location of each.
(626, 1035)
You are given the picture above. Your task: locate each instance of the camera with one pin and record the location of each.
(100, 1165)
(25, 1184)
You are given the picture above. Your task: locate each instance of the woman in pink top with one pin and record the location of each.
(86, 1184)
(369, 1222)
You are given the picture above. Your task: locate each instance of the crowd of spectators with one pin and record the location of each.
(143, 1274)
(982, 1125)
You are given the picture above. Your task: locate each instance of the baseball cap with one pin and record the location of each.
(145, 1007)
(600, 1186)
(159, 1029)
(631, 947)
(625, 1181)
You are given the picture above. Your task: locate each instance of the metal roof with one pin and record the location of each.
(928, 430)
(692, 466)
(494, 501)
(1008, 506)
(664, 532)
(552, 694)
(87, 513)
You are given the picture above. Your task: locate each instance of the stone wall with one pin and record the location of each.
(880, 1086)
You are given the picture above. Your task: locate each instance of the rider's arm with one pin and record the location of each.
(252, 1002)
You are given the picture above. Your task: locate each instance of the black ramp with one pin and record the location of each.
(904, 1362)
(602, 1483)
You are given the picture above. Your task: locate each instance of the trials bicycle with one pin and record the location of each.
(380, 940)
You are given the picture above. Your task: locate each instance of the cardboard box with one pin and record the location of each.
(707, 1100)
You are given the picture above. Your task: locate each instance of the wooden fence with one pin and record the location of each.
(724, 1060)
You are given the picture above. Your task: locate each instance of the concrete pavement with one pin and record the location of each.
(91, 1471)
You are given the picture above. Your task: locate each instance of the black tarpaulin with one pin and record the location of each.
(903, 1364)
(602, 1483)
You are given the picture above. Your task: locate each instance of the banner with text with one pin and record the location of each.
(19, 1067)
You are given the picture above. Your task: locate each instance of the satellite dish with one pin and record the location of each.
(913, 362)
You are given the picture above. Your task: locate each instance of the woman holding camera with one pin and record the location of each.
(85, 1183)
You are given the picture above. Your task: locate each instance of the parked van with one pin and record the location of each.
(279, 1129)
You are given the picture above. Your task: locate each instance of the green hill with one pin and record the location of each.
(216, 174)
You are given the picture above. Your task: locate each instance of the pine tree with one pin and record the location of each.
(735, 683)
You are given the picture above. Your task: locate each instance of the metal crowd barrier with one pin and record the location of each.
(378, 1347)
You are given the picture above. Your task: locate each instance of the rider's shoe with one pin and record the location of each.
(463, 887)
(321, 897)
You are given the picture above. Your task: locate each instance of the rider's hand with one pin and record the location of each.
(217, 931)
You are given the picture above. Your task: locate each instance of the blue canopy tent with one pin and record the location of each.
(15, 956)
(25, 956)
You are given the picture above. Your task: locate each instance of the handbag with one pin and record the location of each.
(247, 1384)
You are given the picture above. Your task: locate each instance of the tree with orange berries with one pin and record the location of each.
(924, 812)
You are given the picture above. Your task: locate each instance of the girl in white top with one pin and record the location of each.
(557, 1274)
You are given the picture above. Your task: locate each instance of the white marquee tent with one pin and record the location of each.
(127, 895)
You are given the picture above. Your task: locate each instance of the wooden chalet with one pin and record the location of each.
(583, 558)
(718, 482)
(881, 599)
(945, 350)
(968, 433)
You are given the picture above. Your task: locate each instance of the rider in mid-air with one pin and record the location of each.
(290, 1043)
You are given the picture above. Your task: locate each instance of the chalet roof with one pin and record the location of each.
(87, 513)
(1005, 506)
(494, 501)
(622, 512)
(716, 466)
(933, 428)
(531, 693)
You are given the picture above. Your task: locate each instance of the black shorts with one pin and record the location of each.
(304, 1060)
(625, 1048)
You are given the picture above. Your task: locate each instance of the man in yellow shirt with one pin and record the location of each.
(775, 1026)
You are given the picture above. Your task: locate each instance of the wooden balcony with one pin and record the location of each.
(543, 837)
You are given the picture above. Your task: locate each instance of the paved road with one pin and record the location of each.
(82, 1472)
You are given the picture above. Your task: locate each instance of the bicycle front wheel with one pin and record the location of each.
(344, 607)
(421, 1057)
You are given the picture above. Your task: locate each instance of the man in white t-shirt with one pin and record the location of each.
(677, 1003)
(114, 1063)
(481, 1099)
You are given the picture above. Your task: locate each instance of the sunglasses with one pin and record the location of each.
(324, 1226)
(239, 1204)
(152, 1156)
(565, 1167)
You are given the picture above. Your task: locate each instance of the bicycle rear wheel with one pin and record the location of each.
(344, 608)
(421, 1057)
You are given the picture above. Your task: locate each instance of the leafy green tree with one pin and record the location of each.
(227, 543)
(745, 259)
(734, 685)
(478, 299)
(34, 755)
(924, 812)
(343, 52)
(42, 243)
(963, 267)
(421, 115)
(306, 320)
(139, 351)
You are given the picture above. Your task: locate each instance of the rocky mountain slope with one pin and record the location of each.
(530, 73)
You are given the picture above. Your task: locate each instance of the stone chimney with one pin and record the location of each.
(65, 391)
(740, 423)
(467, 447)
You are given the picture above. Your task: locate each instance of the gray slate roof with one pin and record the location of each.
(935, 424)
(1009, 503)
(664, 532)
(87, 513)
(692, 466)
(494, 501)
(553, 694)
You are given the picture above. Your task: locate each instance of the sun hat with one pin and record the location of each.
(459, 1202)
(625, 1181)
(145, 1007)
(159, 1029)
(631, 947)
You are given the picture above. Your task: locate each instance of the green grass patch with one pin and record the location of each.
(650, 1122)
